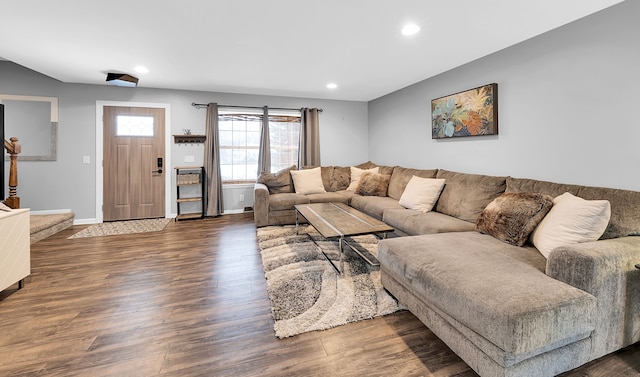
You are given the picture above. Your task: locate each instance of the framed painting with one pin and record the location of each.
(473, 112)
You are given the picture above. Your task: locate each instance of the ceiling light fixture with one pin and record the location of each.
(122, 79)
(332, 85)
(410, 29)
(141, 69)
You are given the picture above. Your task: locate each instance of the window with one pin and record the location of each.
(130, 125)
(284, 132)
(240, 142)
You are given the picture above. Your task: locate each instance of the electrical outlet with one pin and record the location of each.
(242, 197)
(189, 158)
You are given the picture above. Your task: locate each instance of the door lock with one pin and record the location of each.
(159, 166)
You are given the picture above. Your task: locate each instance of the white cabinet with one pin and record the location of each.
(15, 248)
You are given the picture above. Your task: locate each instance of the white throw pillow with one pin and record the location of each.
(356, 173)
(308, 181)
(421, 193)
(571, 220)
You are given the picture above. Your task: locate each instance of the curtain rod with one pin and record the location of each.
(200, 105)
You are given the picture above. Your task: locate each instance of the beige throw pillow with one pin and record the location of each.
(421, 194)
(308, 181)
(571, 220)
(355, 176)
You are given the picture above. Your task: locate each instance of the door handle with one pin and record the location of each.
(157, 171)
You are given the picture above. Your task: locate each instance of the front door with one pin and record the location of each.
(133, 161)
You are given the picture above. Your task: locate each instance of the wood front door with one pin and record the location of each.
(134, 163)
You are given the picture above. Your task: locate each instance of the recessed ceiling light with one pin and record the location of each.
(410, 29)
(332, 85)
(141, 69)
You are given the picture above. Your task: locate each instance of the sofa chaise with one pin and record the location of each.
(507, 309)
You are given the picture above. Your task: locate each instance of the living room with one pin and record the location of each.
(560, 96)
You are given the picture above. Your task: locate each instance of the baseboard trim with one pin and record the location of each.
(50, 212)
(85, 221)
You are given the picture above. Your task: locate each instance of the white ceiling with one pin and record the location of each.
(274, 47)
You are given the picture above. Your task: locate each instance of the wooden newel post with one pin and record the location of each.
(14, 149)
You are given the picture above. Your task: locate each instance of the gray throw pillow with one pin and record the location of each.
(279, 182)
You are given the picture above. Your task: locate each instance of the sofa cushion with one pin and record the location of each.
(280, 202)
(484, 284)
(465, 195)
(279, 182)
(382, 169)
(308, 181)
(356, 173)
(401, 176)
(374, 205)
(415, 223)
(340, 178)
(531, 185)
(625, 204)
(625, 210)
(328, 197)
(421, 194)
(512, 217)
(373, 184)
(571, 220)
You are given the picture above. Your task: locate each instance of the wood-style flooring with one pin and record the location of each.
(192, 301)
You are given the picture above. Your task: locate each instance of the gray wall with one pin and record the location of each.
(69, 184)
(567, 108)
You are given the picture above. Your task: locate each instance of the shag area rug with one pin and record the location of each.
(306, 292)
(122, 227)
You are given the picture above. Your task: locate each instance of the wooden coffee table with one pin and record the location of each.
(338, 220)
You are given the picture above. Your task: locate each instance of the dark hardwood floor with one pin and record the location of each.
(191, 301)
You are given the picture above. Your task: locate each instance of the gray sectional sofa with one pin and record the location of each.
(506, 310)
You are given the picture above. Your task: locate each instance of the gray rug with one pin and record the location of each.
(122, 227)
(305, 291)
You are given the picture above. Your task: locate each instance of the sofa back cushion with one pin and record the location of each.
(382, 169)
(625, 210)
(516, 185)
(334, 178)
(401, 176)
(625, 204)
(465, 195)
(340, 178)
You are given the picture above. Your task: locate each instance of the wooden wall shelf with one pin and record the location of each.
(189, 139)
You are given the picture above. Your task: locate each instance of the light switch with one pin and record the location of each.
(86, 160)
(189, 158)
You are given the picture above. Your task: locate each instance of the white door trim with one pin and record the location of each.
(100, 151)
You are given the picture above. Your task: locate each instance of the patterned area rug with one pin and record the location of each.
(305, 291)
(122, 227)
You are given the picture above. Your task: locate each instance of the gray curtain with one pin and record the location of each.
(214, 203)
(309, 150)
(264, 159)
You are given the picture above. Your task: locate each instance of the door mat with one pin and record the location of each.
(122, 227)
